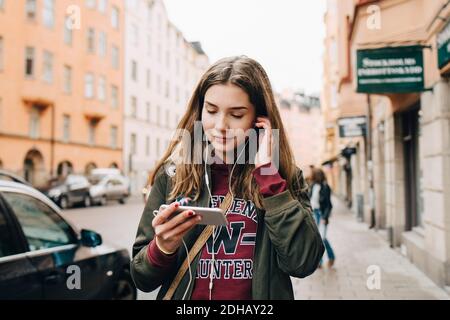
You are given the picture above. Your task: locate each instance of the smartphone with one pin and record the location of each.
(210, 216)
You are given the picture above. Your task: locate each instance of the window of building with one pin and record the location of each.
(90, 4)
(47, 67)
(134, 35)
(29, 61)
(101, 88)
(67, 79)
(147, 146)
(148, 80)
(148, 115)
(115, 57)
(30, 9)
(102, 5)
(114, 97)
(1, 53)
(149, 45)
(48, 13)
(68, 34)
(113, 137)
(159, 53)
(158, 115)
(167, 93)
(115, 17)
(1, 115)
(35, 122)
(133, 143)
(134, 107)
(134, 70)
(89, 86)
(149, 13)
(102, 43)
(66, 128)
(91, 40)
(158, 84)
(157, 147)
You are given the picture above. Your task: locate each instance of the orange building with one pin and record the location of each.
(60, 86)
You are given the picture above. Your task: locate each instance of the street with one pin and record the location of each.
(358, 251)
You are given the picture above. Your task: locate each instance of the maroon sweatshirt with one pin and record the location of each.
(233, 245)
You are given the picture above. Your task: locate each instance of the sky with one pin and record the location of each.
(285, 36)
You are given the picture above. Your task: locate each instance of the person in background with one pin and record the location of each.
(320, 195)
(309, 177)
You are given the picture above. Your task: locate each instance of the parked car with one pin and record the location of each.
(9, 176)
(70, 190)
(108, 187)
(43, 256)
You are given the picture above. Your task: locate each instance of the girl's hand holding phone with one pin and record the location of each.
(169, 232)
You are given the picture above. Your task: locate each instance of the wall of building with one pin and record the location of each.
(426, 244)
(20, 92)
(174, 65)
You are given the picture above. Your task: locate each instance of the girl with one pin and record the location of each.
(271, 234)
(321, 205)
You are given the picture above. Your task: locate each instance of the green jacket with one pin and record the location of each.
(288, 243)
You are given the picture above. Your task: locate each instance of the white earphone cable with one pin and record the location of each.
(212, 272)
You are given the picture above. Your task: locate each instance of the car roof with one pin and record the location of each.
(105, 171)
(13, 176)
(16, 186)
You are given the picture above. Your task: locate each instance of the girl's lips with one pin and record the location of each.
(222, 139)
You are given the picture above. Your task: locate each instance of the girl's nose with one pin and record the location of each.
(221, 124)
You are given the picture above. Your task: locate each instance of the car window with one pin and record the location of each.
(7, 243)
(42, 226)
(71, 180)
(117, 182)
(97, 178)
(84, 180)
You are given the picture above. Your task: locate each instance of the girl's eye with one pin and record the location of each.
(210, 111)
(237, 116)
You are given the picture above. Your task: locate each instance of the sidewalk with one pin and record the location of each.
(356, 249)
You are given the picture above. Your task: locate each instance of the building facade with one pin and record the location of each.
(302, 120)
(398, 57)
(161, 71)
(61, 86)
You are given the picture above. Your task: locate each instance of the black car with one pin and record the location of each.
(70, 190)
(42, 256)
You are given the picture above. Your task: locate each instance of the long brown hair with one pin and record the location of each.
(249, 75)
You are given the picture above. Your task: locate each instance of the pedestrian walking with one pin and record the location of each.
(270, 233)
(320, 194)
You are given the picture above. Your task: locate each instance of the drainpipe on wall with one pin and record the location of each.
(52, 142)
(370, 164)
